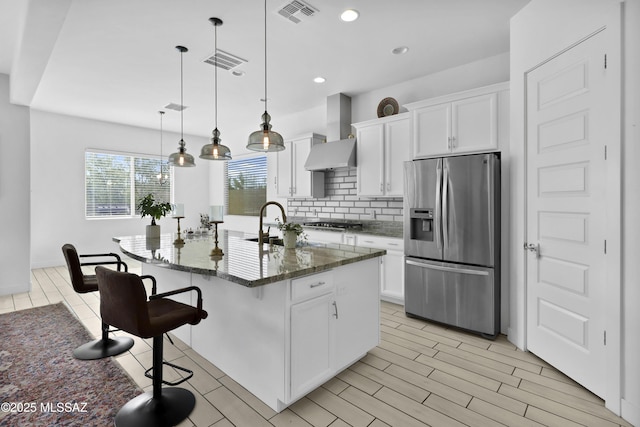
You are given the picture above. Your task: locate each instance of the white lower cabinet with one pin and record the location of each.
(312, 342)
(334, 321)
(391, 266)
(357, 313)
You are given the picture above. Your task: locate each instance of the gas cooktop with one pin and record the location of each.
(334, 225)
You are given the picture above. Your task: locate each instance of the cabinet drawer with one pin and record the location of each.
(388, 243)
(307, 287)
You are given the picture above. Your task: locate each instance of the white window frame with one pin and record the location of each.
(131, 202)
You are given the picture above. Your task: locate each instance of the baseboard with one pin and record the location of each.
(15, 289)
(399, 301)
(630, 412)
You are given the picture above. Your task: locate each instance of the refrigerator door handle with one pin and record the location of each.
(449, 269)
(445, 203)
(438, 214)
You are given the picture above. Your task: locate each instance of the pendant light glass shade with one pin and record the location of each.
(215, 150)
(265, 139)
(181, 158)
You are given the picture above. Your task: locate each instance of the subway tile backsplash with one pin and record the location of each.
(342, 203)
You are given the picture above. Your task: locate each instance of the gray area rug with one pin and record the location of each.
(42, 384)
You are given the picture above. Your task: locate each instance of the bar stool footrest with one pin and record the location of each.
(149, 374)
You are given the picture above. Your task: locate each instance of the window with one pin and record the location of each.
(114, 183)
(246, 189)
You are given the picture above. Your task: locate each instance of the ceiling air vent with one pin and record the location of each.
(225, 60)
(175, 107)
(296, 11)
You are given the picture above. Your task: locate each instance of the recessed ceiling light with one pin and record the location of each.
(238, 73)
(319, 79)
(400, 50)
(349, 15)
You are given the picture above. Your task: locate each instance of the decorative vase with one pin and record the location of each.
(153, 231)
(290, 238)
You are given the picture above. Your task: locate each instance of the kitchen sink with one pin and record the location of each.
(274, 241)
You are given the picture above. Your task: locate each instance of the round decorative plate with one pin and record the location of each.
(388, 107)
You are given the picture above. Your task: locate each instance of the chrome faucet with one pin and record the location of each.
(284, 220)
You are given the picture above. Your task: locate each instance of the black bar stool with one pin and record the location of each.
(83, 283)
(124, 304)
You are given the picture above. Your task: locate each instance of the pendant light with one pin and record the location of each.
(265, 139)
(181, 158)
(162, 176)
(215, 150)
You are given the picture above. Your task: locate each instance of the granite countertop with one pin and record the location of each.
(244, 261)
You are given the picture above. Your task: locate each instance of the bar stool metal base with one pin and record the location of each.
(100, 348)
(169, 409)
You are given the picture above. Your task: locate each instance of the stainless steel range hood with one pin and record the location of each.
(340, 151)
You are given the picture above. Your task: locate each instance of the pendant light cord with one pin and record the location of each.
(215, 94)
(265, 55)
(181, 101)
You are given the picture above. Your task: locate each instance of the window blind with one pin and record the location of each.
(114, 183)
(246, 186)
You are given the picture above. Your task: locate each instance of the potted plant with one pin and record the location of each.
(156, 210)
(290, 233)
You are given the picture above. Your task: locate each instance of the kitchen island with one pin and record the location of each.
(281, 321)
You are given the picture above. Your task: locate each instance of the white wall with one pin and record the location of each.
(58, 144)
(14, 194)
(630, 214)
(540, 30)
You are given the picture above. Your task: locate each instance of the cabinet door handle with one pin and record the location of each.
(381, 187)
(453, 142)
(394, 244)
(335, 306)
(388, 186)
(449, 143)
(315, 285)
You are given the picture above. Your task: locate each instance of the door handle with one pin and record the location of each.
(445, 203)
(335, 306)
(448, 269)
(315, 285)
(532, 248)
(438, 215)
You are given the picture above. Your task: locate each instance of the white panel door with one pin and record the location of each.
(566, 138)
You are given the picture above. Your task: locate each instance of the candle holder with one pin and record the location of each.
(179, 240)
(216, 251)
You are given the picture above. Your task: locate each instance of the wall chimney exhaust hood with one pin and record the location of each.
(340, 151)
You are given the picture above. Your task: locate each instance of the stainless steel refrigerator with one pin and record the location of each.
(452, 241)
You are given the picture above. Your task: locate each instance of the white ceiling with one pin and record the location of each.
(116, 60)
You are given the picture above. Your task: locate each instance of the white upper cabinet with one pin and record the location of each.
(460, 123)
(292, 179)
(383, 146)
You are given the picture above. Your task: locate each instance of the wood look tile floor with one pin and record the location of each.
(421, 374)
